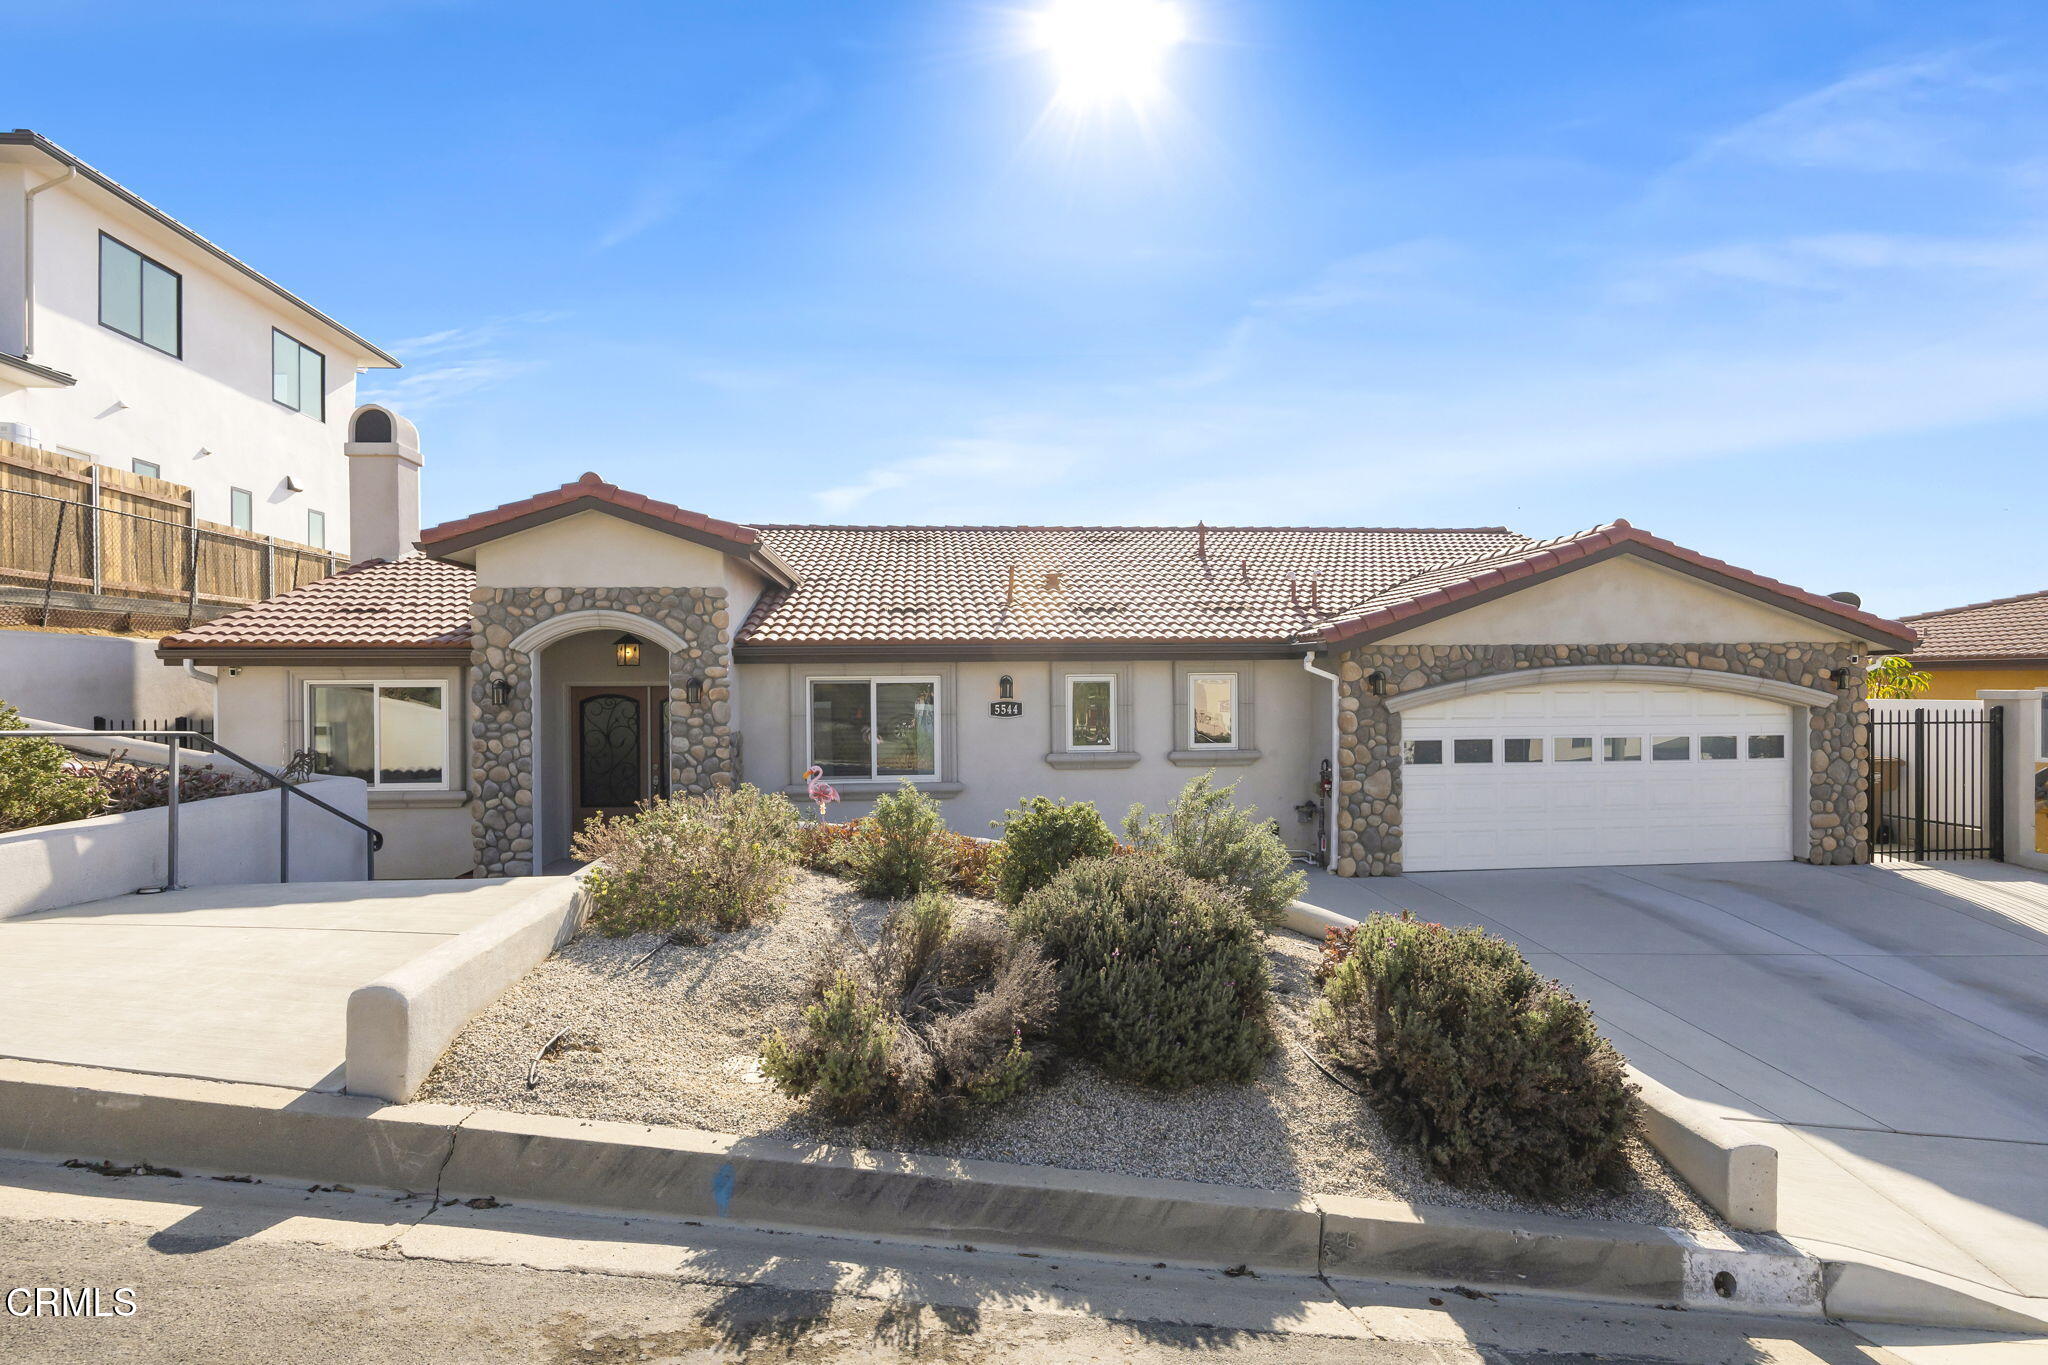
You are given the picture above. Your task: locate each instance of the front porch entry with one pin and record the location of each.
(619, 759)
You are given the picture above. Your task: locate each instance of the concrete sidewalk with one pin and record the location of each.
(239, 983)
(1885, 1028)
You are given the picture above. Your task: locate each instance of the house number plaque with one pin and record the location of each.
(1006, 708)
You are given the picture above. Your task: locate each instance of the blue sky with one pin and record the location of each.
(1767, 278)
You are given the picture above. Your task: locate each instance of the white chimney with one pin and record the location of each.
(384, 463)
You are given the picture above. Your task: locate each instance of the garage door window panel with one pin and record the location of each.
(1622, 748)
(1766, 746)
(1671, 749)
(1522, 750)
(1572, 749)
(1422, 752)
(1717, 747)
(1472, 751)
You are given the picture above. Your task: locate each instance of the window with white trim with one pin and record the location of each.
(392, 735)
(1212, 710)
(316, 530)
(876, 728)
(241, 509)
(1091, 712)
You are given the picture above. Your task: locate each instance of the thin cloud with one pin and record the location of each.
(473, 336)
(962, 477)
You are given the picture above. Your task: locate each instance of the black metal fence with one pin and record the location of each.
(1937, 781)
(195, 731)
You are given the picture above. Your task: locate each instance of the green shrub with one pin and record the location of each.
(1212, 839)
(926, 1025)
(1041, 838)
(1163, 979)
(905, 847)
(35, 789)
(837, 849)
(1499, 1076)
(686, 864)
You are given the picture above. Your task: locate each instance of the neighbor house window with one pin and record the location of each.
(241, 509)
(148, 469)
(390, 735)
(316, 530)
(1091, 713)
(1212, 711)
(298, 375)
(140, 298)
(880, 728)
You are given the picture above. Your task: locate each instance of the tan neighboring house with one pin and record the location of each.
(1412, 698)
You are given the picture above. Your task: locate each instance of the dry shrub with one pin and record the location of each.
(835, 850)
(686, 864)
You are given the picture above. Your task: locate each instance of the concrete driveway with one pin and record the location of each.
(236, 983)
(1887, 1028)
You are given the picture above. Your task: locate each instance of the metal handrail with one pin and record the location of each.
(173, 739)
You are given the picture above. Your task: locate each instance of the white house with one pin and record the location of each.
(1396, 698)
(129, 340)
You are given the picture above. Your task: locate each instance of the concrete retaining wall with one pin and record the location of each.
(399, 1025)
(222, 841)
(72, 678)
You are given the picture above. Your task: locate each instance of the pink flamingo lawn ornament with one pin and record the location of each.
(819, 790)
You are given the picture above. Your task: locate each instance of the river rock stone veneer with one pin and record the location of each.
(1368, 841)
(703, 748)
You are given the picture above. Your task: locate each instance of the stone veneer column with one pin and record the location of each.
(1368, 835)
(703, 749)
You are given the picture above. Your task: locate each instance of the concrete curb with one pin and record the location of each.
(1878, 1289)
(1729, 1168)
(399, 1024)
(235, 1129)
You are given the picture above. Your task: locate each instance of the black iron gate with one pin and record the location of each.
(1937, 782)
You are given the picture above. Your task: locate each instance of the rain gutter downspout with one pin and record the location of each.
(28, 259)
(1308, 664)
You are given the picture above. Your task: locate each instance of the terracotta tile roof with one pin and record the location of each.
(1448, 584)
(410, 603)
(593, 488)
(939, 584)
(2004, 628)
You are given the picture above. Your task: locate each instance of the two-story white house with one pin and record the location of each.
(129, 340)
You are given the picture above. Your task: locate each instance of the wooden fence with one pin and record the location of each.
(71, 526)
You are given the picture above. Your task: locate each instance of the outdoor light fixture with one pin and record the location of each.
(693, 692)
(627, 650)
(1377, 681)
(501, 691)
(1005, 689)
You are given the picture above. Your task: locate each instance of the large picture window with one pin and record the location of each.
(298, 375)
(1091, 713)
(391, 735)
(1212, 710)
(880, 728)
(140, 298)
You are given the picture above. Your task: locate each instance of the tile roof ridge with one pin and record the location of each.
(1976, 606)
(945, 526)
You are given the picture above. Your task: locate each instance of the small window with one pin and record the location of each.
(1766, 746)
(241, 509)
(1522, 750)
(1717, 746)
(1623, 748)
(148, 469)
(391, 735)
(298, 375)
(316, 529)
(140, 298)
(1212, 711)
(1091, 713)
(1422, 752)
(875, 728)
(1572, 750)
(1472, 751)
(1671, 749)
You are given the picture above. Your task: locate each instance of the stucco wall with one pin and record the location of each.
(597, 550)
(988, 763)
(217, 398)
(69, 679)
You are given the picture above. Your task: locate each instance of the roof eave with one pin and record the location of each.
(983, 650)
(752, 553)
(247, 655)
(29, 375)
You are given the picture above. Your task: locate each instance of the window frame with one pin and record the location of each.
(320, 542)
(1114, 737)
(156, 470)
(377, 727)
(1236, 713)
(304, 349)
(248, 497)
(146, 260)
(874, 739)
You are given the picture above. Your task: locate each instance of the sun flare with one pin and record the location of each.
(1109, 50)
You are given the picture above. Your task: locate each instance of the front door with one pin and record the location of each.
(617, 750)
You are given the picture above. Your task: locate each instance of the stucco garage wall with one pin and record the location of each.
(262, 716)
(988, 763)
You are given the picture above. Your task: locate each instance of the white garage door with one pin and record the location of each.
(1579, 774)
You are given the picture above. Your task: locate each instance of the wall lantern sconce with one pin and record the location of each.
(626, 650)
(1005, 689)
(501, 691)
(1377, 681)
(693, 692)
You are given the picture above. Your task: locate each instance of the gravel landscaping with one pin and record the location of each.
(674, 1039)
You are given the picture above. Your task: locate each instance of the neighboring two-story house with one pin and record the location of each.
(129, 340)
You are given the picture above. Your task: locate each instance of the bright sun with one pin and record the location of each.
(1109, 50)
